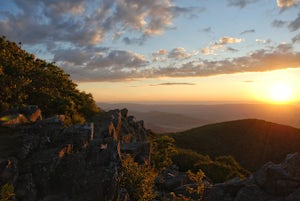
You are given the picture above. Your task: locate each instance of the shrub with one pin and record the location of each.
(163, 150)
(137, 179)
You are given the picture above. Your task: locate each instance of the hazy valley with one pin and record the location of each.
(179, 117)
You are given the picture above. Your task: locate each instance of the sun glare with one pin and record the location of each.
(281, 93)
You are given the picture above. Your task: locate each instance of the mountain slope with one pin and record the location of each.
(252, 142)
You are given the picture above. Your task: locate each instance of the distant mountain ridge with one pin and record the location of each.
(252, 142)
(180, 117)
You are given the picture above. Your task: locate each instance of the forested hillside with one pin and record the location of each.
(252, 142)
(27, 80)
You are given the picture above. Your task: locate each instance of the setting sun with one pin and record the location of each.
(281, 93)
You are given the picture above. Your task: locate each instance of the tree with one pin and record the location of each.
(163, 150)
(26, 80)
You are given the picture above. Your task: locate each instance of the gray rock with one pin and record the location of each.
(57, 163)
(273, 182)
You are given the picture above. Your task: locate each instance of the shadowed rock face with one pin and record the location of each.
(280, 182)
(75, 163)
(14, 117)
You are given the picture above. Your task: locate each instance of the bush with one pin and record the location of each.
(163, 150)
(137, 179)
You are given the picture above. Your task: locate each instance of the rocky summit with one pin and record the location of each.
(46, 161)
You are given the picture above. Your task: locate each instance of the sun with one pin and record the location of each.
(281, 92)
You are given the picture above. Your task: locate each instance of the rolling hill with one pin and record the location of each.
(252, 142)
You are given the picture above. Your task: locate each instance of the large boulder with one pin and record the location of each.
(279, 182)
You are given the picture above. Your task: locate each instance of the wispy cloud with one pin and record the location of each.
(295, 24)
(247, 31)
(172, 84)
(296, 39)
(207, 29)
(263, 41)
(279, 23)
(240, 3)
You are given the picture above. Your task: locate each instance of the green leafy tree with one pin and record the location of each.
(138, 179)
(26, 80)
(163, 150)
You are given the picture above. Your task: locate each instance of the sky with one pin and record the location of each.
(165, 50)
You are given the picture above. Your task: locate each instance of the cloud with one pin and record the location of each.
(160, 55)
(118, 59)
(278, 23)
(212, 48)
(281, 57)
(231, 49)
(88, 22)
(179, 53)
(173, 83)
(160, 52)
(227, 40)
(263, 41)
(295, 25)
(220, 45)
(248, 81)
(207, 29)
(247, 31)
(287, 3)
(296, 39)
(240, 3)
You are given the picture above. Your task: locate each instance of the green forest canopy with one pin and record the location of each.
(26, 80)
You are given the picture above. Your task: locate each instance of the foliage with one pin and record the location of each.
(197, 178)
(185, 159)
(221, 169)
(26, 80)
(195, 192)
(6, 192)
(137, 179)
(163, 150)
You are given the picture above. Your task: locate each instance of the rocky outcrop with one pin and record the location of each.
(81, 162)
(280, 182)
(18, 116)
